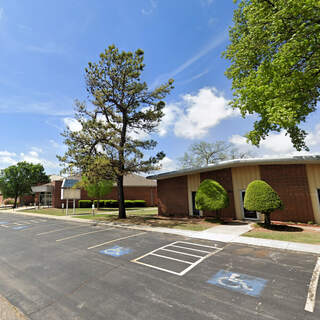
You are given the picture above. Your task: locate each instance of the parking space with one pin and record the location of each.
(178, 257)
(55, 269)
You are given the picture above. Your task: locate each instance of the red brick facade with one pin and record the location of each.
(224, 177)
(173, 197)
(291, 183)
(149, 194)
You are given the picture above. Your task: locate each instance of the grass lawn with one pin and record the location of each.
(151, 218)
(285, 233)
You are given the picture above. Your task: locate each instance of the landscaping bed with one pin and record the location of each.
(147, 218)
(286, 232)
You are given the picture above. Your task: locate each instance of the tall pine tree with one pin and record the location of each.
(122, 111)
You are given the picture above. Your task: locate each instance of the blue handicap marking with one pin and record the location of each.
(242, 283)
(116, 251)
(20, 227)
(4, 222)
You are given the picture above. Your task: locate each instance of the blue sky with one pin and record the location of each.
(45, 46)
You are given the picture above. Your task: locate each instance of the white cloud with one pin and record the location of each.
(152, 7)
(33, 155)
(279, 144)
(195, 115)
(167, 164)
(138, 134)
(54, 143)
(72, 124)
(7, 154)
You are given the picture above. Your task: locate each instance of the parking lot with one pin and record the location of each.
(52, 269)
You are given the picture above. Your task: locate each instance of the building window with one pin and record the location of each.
(246, 213)
(318, 195)
(195, 211)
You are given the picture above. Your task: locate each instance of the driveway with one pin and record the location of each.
(53, 269)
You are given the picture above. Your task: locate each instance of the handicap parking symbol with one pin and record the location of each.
(242, 283)
(19, 227)
(116, 251)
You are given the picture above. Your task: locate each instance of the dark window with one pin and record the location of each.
(195, 211)
(247, 214)
(319, 195)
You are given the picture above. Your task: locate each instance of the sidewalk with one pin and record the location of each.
(230, 233)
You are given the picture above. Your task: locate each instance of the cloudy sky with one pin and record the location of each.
(45, 46)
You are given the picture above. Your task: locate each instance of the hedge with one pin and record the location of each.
(261, 197)
(111, 203)
(211, 196)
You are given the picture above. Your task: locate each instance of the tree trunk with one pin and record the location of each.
(267, 220)
(122, 209)
(15, 201)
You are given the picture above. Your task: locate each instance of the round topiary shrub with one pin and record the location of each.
(261, 197)
(211, 196)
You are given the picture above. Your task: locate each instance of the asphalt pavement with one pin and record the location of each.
(52, 269)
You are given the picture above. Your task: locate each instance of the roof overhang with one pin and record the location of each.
(239, 163)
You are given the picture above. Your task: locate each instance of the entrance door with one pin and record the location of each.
(246, 213)
(195, 211)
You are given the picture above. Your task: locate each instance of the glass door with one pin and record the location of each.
(246, 213)
(195, 211)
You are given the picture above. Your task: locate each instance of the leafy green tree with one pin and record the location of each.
(261, 197)
(96, 190)
(211, 196)
(275, 65)
(204, 153)
(114, 126)
(17, 180)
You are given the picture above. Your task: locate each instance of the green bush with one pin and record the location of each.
(111, 203)
(262, 198)
(85, 203)
(140, 203)
(211, 196)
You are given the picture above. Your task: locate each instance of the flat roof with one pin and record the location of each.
(314, 159)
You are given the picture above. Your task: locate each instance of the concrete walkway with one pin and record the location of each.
(229, 233)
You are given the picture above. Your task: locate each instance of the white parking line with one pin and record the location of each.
(190, 249)
(175, 251)
(83, 234)
(177, 245)
(311, 299)
(57, 230)
(199, 245)
(170, 258)
(123, 238)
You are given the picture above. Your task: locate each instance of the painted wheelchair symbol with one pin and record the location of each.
(116, 251)
(235, 282)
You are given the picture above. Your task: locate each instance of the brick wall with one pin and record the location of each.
(224, 177)
(149, 194)
(173, 197)
(291, 183)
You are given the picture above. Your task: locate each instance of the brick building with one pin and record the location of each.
(135, 188)
(297, 181)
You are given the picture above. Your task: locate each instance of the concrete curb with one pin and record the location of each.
(205, 235)
(9, 311)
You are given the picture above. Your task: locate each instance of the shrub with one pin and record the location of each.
(211, 196)
(262, 198)
(140, 203)
(85, 203)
